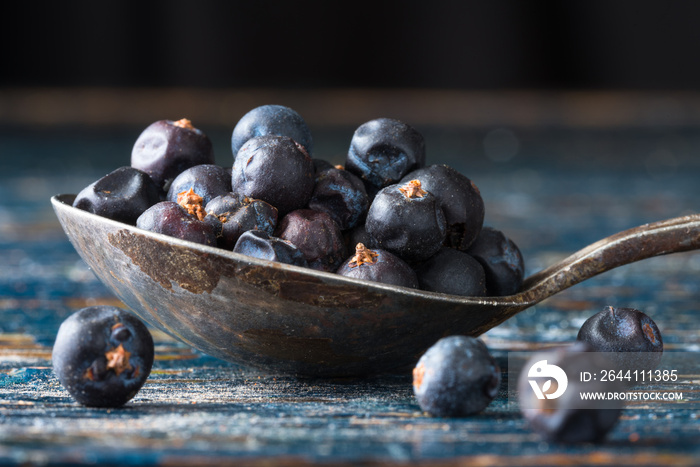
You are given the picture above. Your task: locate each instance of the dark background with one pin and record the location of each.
(491, 45)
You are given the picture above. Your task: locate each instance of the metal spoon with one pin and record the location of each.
(293, 320)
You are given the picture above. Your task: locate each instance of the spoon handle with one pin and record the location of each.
(648, 240)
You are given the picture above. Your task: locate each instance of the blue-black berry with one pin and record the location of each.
(631, 338)
(239, 214)
(378, 266)
(318, 237)
(275, 169)
(275, 120)
(382, 151)
(452, 272)
(121, 195)
(342, 195)
(501, 259)
(166, 148)
(456, 377)
(185, 221)
(459, 198)
(207, 180)
(260, 244)
(407, 221)
(102, 356)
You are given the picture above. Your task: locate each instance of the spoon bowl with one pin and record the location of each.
(298, 321)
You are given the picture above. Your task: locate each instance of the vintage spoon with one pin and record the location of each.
(292, 320)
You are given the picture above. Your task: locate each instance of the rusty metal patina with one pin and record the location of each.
(298, 321)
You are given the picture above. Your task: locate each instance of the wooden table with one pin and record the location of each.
(553, 185)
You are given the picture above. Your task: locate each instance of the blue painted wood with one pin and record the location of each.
(560, 191)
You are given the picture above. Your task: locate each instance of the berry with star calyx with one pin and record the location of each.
(102, 356)
(407, 220)
(378, 266)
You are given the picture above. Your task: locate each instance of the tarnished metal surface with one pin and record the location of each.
(299, 321)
